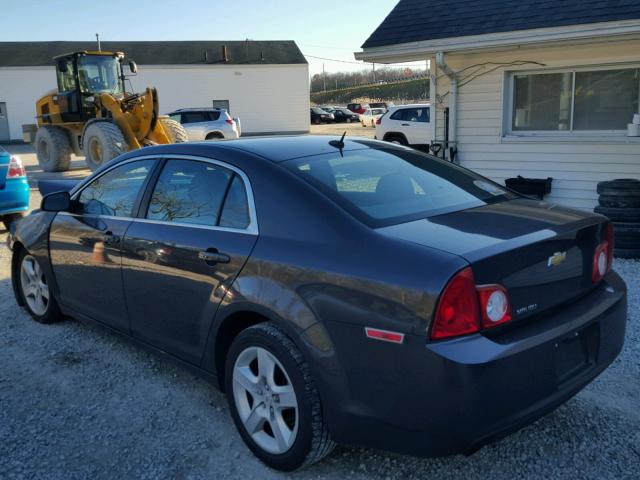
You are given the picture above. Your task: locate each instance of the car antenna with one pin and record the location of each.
(339, 143)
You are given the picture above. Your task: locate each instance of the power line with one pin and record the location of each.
(365, 63)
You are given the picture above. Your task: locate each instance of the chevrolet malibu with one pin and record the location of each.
(339, 291)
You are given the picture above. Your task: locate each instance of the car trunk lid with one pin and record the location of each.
(541, 253)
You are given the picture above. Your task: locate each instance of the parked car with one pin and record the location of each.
(328, 108)
(344, 115)
(320, 116)
(347, 291)
(370, 115)
(207, 123)
(356, 108)
(379, 105)
(14, 188)
(405, 125)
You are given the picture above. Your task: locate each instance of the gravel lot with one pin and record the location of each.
(79, 402)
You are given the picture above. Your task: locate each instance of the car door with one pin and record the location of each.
(184, 251)
(415, 125)
(196, 124)
(85, 243)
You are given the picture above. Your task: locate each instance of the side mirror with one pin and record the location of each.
(56, 202)
(133, 67)
(62, 66)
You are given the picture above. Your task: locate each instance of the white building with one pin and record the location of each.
(264, 83)
(543, 89)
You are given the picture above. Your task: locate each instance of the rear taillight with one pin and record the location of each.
(603, 256)
(16, 169)
(458, 312)
(230, 121)
(465, 308)
(379, 121)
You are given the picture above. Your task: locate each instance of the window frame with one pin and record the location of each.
(76, 192)
(508, 102)
(144, 196)
(251, 229)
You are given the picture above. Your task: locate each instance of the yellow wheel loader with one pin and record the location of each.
(92, 114)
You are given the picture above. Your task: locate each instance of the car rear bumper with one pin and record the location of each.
(14, 196)
(455, 396)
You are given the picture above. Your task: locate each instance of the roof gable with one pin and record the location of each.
(33, 54)
(420, 20)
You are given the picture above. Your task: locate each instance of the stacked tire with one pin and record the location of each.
(619, 200)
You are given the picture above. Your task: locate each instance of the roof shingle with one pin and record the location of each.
(418, 20)
(33, 54)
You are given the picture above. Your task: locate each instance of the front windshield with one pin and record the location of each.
(99, 74)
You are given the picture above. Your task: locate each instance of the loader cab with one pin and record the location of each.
(81, 76)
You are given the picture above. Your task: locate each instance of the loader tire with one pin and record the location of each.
(53, 149)
(631, 215)
(102, 142)
(175, 131)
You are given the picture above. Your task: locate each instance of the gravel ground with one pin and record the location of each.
(79, 402)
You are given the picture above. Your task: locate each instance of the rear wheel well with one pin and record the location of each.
(213, 135)
(391, 136)
(228, 331)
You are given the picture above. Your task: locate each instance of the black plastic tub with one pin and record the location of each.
(538, 187)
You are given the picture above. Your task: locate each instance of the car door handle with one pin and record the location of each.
(110, 239)
(212, 257)
(406, 125)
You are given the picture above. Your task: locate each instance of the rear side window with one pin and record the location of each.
(189, 191)
(213, 116)
(387, 186)
(194, 117)
(412, 115)
(115, 193)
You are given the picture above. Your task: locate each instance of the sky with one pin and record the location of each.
(331, 29)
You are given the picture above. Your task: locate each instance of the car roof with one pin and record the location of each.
(281, 148)
(410, 105)
(205, 109)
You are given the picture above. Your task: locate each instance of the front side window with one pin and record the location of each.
(575, 101)
(189, 191)
(387, 186)
(115, 193)
(66, 80)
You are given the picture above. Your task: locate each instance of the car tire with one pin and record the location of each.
(619, 201)
(175, 131)
(53, 149)
(615, 214)
(9, 219)
(102, 142)
(627, 235)
(214, 137)
(34, 291)
(304, 437)
(626, 252)
(397, 139)
(621, 187)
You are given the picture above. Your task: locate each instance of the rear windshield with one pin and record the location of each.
(388, 186)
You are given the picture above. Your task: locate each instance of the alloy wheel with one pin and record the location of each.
(265, 400)
(34, 285)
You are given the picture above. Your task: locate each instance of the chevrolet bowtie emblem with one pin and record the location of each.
(556, 259)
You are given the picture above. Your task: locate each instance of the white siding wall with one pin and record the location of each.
(267, 98)
(575, 164)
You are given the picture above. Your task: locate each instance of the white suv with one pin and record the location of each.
(405, 124)
(207, 123)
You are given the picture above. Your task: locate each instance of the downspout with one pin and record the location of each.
(453, 100)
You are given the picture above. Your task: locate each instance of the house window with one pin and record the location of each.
(593, 100)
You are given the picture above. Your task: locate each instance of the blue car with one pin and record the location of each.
(14, 188)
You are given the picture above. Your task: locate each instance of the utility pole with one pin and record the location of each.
(324, 78)
(98, 40)
(374, 72)
(336, 83)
